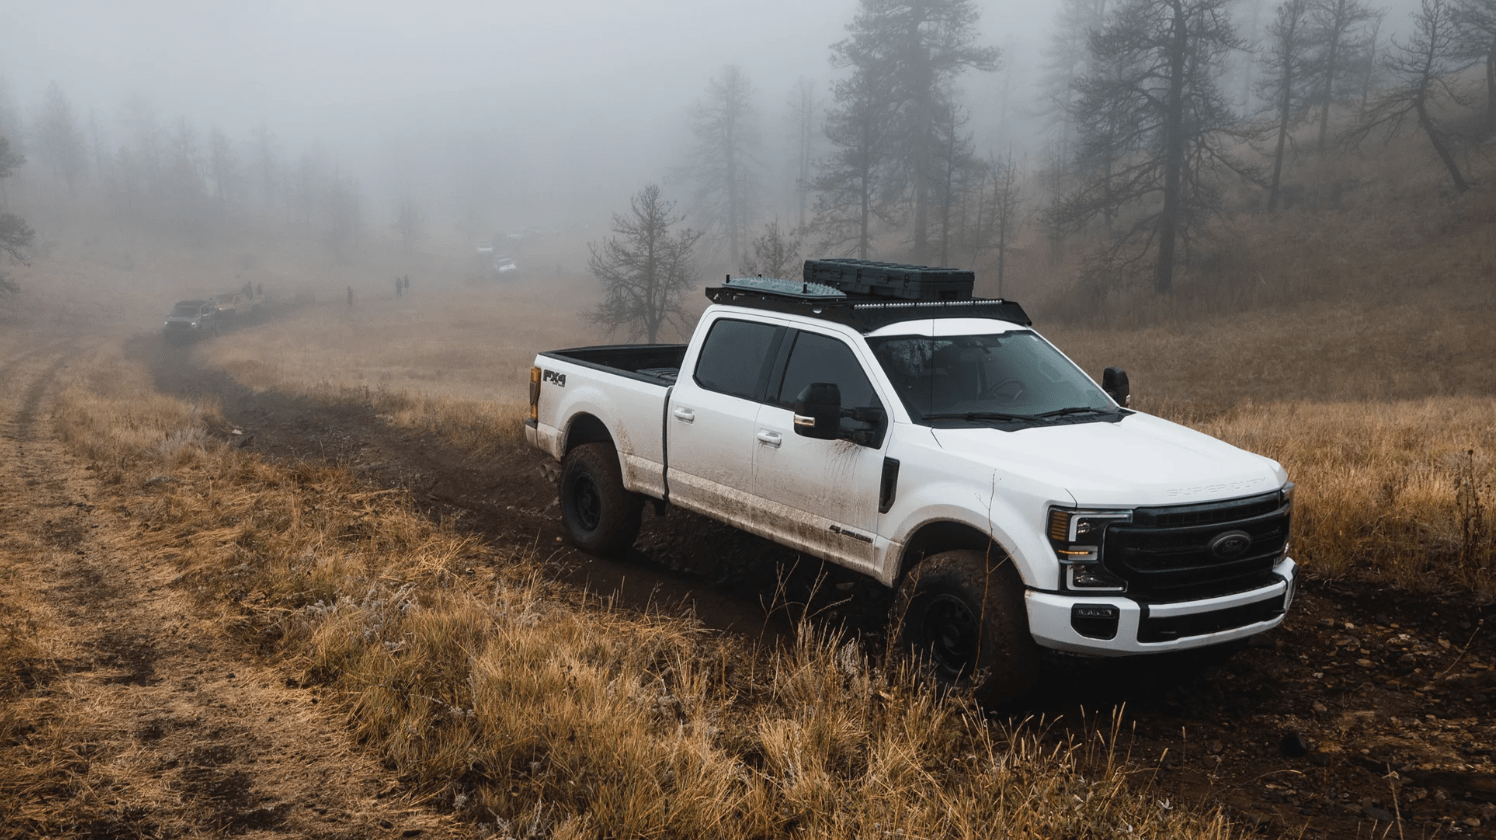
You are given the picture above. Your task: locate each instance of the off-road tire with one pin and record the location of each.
(600, 516)
(961, 616)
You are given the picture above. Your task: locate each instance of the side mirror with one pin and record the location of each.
(1114, 383)
(818, 411)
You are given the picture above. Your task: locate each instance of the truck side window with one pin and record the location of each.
(821, 358)
(733, 356)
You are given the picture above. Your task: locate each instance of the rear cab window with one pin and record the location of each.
(735, 358)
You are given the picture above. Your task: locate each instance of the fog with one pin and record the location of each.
(535, 113)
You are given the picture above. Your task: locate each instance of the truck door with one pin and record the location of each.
(821, 495)
(709, 423)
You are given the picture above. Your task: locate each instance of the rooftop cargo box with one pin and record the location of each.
(891, 280)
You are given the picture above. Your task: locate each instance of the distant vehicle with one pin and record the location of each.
(504, 265)
(190, 320)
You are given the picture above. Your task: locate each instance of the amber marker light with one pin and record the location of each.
(535, 394)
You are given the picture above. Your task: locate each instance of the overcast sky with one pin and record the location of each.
(599, 86)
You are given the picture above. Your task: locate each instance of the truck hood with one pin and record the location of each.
(1139, 460)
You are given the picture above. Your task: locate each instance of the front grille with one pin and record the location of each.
(1165, 553)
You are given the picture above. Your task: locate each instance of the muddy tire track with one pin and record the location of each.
(149, 721)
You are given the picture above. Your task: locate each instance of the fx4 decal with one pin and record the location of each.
(552, 376)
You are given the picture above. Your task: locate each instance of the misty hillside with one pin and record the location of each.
(1289, 201)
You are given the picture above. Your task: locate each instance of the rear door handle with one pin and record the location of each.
(769, 438)
(685, 414)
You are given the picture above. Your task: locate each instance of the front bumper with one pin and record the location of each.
(1156, 628)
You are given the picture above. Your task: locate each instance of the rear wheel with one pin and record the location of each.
(600, 516)
(961, 615)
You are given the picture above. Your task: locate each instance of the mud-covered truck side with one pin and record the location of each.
(881, 418)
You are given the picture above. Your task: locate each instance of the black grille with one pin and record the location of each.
(1165, 553)
(1184, 626)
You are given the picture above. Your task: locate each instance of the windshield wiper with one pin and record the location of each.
(1076, 409)
(982, 415)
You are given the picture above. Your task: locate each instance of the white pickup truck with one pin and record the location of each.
(879, 417)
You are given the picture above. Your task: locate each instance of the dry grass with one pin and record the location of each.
(520, 707)
(452, 362)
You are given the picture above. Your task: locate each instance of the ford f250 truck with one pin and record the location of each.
(880, 417)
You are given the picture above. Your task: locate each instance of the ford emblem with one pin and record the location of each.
(1230, 545)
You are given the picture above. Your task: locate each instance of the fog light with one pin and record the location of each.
(1095, 621)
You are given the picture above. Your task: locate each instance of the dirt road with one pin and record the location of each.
(143, 719)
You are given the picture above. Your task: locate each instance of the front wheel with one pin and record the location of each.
(961, 615)
(600, 516)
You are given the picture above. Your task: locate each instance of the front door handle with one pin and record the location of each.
(769, 438)
(685, 414)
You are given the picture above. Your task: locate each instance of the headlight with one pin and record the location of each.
(1077, 539)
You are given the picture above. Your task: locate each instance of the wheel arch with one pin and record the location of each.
(586, 428)
(944, 535)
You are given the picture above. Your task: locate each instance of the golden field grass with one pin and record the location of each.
(527, 709)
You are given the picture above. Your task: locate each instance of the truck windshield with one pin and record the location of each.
(1014, 377)
(185, 310)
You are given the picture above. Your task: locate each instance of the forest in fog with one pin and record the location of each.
(945, 132)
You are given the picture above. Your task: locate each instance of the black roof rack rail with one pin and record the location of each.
(862, 312)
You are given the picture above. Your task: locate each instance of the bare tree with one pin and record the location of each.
(1154, 110)
(345, 214)
(774, 253)
(266, 162)
(410, 222)
(724, 160)
(1001, 213)
(224, 166)
(1286, 78)
(1475, 20)
(10, 118)
(804, 113)
(853, 185)
(645, 269)
(98, 145)
(1339, 27)
(1422, 66)
(311, 169)
(905, 56)
(15, 236)
(59, 140)
(1066, 58)
(952, 158)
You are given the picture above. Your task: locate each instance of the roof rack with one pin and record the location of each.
(862, 312)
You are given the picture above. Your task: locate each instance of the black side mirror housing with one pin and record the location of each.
(1114, 383)
(818, 411)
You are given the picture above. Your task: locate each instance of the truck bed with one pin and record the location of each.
(656, 363)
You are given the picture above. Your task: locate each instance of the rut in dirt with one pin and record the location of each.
(146, 719)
